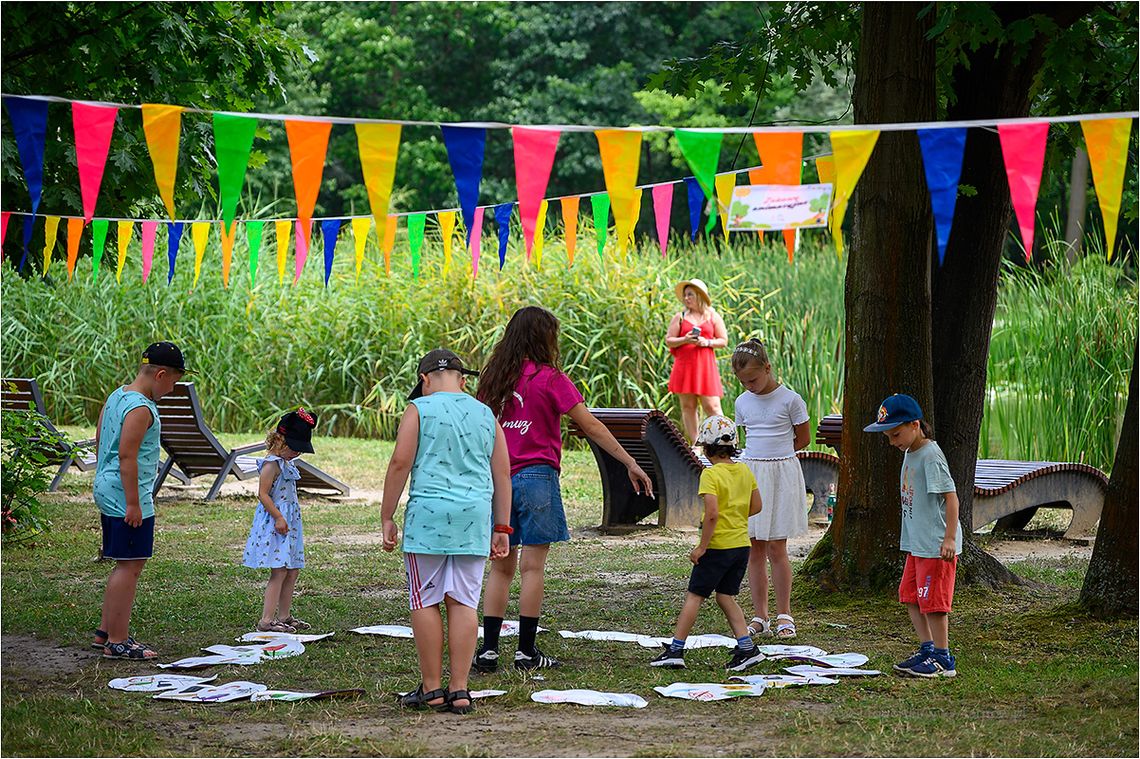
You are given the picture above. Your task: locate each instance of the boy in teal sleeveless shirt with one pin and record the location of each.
(457, 457)
(128, 444)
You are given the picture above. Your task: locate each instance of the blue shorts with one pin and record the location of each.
(125, 543)
(537, 515)
(720, 570)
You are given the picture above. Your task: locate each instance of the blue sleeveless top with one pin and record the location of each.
(109, 496)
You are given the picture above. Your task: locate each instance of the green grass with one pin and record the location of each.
(1037, 678)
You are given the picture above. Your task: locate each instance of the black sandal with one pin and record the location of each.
(417, 699)
(454, 696)
(129, 649)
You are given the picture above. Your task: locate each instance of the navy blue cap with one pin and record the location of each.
(896, 410)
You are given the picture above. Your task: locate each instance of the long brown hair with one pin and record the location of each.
(532, 333)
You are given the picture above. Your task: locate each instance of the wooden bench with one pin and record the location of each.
(193, 448)
(655, 443)
(1010, 492)
(22, 395)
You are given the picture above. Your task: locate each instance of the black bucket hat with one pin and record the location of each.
(297, 428)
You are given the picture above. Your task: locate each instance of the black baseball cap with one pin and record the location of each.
(435, 361)
(165, 354)
(297, 429)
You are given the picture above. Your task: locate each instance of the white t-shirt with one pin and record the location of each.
(768, 422)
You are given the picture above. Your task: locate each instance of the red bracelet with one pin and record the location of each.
(506, 529)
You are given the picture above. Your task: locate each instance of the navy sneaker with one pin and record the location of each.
(671, 658)
(935, 665)
(742, 660)
(486, 661)
(537, 660)
(918, 657)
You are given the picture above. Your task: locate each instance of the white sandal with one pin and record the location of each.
(759, 626)
(785, 630)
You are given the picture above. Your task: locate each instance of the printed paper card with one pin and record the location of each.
(785, 681)
(214, 694)
(265, 637)
(589, 698)
(779, 207)
(811, 669)
(710, 691)
(157, 683)
(290, 695)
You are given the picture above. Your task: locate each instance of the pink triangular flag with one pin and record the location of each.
(476, 240)
(662, 210)
(93, 126)
(303, 235)
(148, 230)
(4, 226)
(534, 158)
(1023, 148)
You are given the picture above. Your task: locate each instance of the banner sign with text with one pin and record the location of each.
(774, 206)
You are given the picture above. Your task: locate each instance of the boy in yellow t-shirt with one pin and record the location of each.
(721, 558)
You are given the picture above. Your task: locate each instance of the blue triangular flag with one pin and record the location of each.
(503, 221)
(942, 151)
(696, 203)
(173, 238)
(29, 122)
(330, 228)
(465, 154)
(29, 224)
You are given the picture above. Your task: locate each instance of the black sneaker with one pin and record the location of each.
(486, 661)
(670, 658)
(537, 660)
(742, 660)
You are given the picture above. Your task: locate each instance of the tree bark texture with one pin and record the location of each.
(887, 296)
(1111, 583)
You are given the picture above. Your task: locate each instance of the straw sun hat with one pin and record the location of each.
(697, 285)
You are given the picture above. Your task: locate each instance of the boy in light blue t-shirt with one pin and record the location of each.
(457, 457)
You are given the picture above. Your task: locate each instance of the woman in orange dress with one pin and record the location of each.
(693, 336)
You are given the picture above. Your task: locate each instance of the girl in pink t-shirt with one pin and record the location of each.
(529, 394)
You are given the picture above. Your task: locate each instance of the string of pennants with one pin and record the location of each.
(942, 144)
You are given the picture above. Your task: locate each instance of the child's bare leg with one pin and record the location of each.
(688, 616)
(758, 577)
(710, 404)
(733, 613)
(689, 414)
(532, 576)
(427, 627)
(498, 587)
(285, 599)
(920, 622)
(462, 637)
(938, 623)
(272, 594)
(781, 575)
(119, 599)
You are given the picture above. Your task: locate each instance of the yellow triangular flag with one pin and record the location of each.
(51, 229)
(379, 144)
(446, 221)
(1107, 144)
(360, 229)
(621, 156)
(282, 227)
(725, 184)
(162, 125)
(539, 233)
(825, 169)
(850, 152)
(124, 229)
(199, 233)
(636, 215)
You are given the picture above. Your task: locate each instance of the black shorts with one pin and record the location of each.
(720, 570)
(125, 543)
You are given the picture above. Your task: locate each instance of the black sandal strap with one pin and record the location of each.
(455, 695)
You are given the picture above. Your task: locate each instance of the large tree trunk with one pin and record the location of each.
(995, 84)
(887, 295)
(1111, 587)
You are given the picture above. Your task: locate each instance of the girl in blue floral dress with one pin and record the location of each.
(276, 541)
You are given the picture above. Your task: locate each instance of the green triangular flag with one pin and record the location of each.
(98, 241)
(416, 224)
(600, 204)
(253, 231)
(233, 140)
(702, 151)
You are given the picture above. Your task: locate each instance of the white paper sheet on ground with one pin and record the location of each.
(849, 659)
(264, 637)
(811, 669)
(694, 641)
(710, 691)
(508, 629)
(157, 683)
(291, 695)
(214, 694)
(611, 635)
(213, 660)
(785, 681)
(783, 652)
(588, 698)
(390, 631)
(279, 648)
(489, 693)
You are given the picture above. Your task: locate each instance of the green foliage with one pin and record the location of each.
(26, 449)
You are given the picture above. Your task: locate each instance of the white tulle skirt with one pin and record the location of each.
(783, 497)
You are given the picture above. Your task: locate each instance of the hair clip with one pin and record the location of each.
(746, 349)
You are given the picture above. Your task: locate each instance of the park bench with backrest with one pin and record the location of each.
(23, 395)
(195, 451)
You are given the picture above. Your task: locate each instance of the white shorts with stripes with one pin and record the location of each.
(432, 576)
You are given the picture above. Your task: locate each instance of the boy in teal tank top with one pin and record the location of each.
(128, 444)
(455, 452)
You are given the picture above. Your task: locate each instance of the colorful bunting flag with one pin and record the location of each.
(476, 241)
(330, 228)
(1023, 149)
(662, 211)
(303, 235)
(360, 227)
(570, 221)
(29, 124)
(51, 229)
(416, 224)
(825, 169)
(534, 158)
(228, 239)
(539, 233)
(696, 199)
(29, 227)
(149, 228)
(621, 156)
(850, 153)
(942, 151)
(725, 184)
(93, 125)
(702, 151)
(282, 230)
(600, 205)
(3, 227)
(233, 141)
(253, 233)
(465, 147)
(389, 242)
(636, 214)
(308, 143)
(1107, 144)
(503, 224)
(123, 232)
(162, 125)
(379, 145)
(173, 241)
(782, 154)
(200, 234)
(98, 243)
(74, 234)
(446, 221)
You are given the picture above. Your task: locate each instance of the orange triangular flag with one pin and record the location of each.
(1107, 143)
(227, 252)
(783, 154)
(308, 143)
(74, 232)
(570, 220)
(162, 125)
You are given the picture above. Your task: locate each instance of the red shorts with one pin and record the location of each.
(928, 583)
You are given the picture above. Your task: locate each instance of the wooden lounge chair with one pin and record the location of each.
(1010, 492)
(23, 395)
(192, 447)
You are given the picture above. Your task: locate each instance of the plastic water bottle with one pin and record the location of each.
(830, 502)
